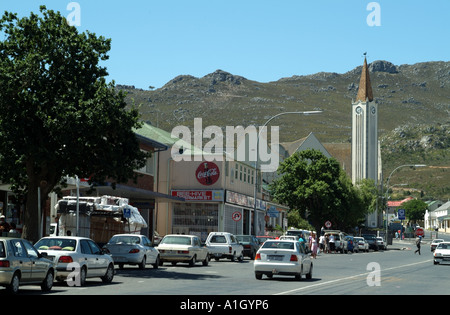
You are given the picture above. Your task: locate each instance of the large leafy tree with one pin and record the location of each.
(319, 190)
(58, 115)
(415, 209)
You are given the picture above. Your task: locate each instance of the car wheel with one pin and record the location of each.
(142, 263)
(206, 261)
(47, 284)
(435, 262)
(109, 275)
(83, 274)
(309, 274)
(157, 263)
(192, 261)
(258, 276)
(13, 287)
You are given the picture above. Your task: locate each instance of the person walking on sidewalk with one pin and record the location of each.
(418, 240)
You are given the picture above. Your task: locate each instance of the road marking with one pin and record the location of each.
(348, 278)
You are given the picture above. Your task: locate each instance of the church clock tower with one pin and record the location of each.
(364, 131)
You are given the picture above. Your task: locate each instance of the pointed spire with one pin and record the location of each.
(365, 88)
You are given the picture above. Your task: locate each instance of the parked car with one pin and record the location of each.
(224, 245)
(76, 259)
(176, 248)
(339, 240)
(435, 243)
(282, 257)
(250, 244)
(441, 253)
(22, 264)
(371, 240)
(381, 244)
(362, 244)
(288, 237)
(132, 249)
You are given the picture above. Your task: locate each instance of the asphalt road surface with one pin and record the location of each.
(396, 271)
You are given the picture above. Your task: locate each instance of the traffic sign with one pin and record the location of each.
(236, 216)
(401, 214)
(420, 232)
(327, 224)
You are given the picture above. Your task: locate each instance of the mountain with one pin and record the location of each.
(407, 95)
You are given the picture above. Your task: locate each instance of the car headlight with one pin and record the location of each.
(437, 254)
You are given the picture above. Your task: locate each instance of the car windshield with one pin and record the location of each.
(178, 240)
(444, 246)
(247, 239)
(125, 239)
(56, 244)
(279, 245)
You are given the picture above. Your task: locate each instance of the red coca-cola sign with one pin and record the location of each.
(207, 173)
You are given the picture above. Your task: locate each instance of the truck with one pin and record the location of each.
(98, 218)
(224, 245)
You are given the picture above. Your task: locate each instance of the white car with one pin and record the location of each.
(442, 253)
(380, 243)
(132, 249)
(282, 257)
(435, 243)
(77, 258)
(362, 244)
(176, 248)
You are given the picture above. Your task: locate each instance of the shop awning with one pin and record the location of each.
(133, 193)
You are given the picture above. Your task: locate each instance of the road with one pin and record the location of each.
(392, 272)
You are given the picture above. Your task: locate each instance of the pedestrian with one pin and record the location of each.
(313, 245)
(418, 240)
(322, 243)
(327, 244)
(332, 244)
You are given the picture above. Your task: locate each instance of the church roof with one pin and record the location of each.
(365, 87)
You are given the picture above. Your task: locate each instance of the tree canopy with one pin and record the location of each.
(59, 116)
(415, 209)
(320, 191)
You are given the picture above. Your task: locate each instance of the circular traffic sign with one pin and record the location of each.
(420, 232)
(328, 224)
(236, 216)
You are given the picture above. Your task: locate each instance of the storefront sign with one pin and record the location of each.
(244, 200)
(207, 173)
(199, 195)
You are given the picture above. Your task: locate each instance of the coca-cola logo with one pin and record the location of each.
(207, 173)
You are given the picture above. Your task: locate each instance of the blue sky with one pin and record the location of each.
(154, 41)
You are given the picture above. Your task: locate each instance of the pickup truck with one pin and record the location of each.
(224, 245)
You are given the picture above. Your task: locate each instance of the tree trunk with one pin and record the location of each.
(31, 220)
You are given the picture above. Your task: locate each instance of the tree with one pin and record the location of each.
(59, 116)
(319, 190)
(415, 209)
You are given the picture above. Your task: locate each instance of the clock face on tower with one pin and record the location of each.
(373, 110)
(358, 110)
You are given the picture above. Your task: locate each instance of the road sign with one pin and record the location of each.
(236, 216)
(127, 213)
(420, 232)
(328, 224)
(401, 214)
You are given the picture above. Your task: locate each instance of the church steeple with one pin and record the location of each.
(365, 87)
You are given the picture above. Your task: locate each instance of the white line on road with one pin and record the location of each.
(348, 278)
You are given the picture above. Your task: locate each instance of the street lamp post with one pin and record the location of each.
(255, 187)
(387, 192)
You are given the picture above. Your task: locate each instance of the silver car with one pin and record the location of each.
(77, 258)
(132, 249)
(282, 257)
(21, 263)
(176, 248)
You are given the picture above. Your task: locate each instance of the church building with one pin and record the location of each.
(366, 158)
